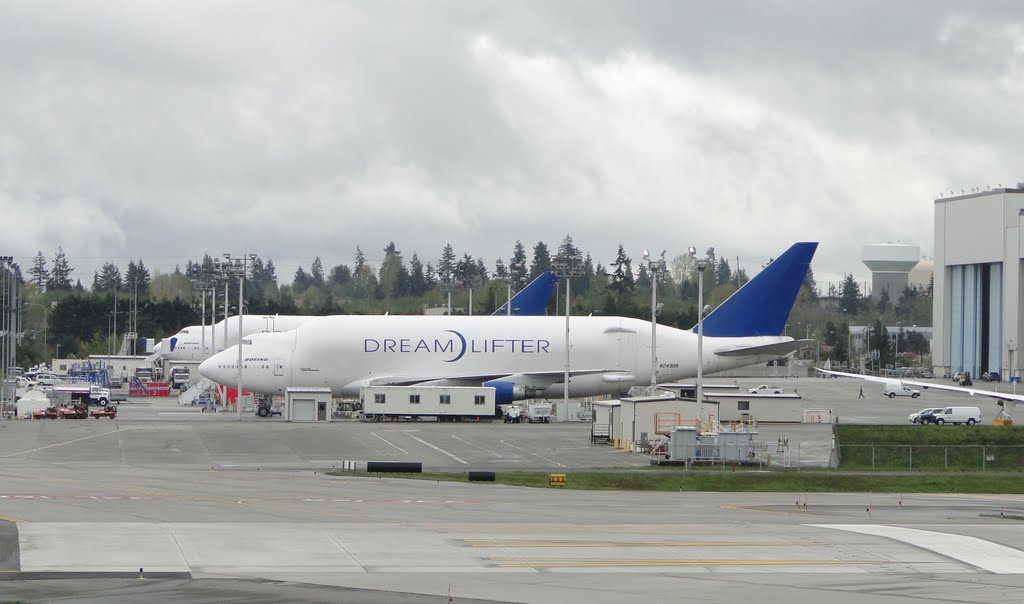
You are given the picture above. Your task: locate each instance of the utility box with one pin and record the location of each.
(684, 443)
(307, 404)
(735, 446)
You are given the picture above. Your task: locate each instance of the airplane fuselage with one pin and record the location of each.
(344, 353)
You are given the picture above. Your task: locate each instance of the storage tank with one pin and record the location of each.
(890, 265)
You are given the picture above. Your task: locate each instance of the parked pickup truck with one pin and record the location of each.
(763, 389)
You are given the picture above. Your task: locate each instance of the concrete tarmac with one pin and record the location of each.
(217, 510)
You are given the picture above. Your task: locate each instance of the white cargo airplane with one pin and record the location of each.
(188, 344)
(1008, 401)
(520, 357)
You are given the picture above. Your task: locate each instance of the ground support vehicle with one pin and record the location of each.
(894, 390)
(78, 411)
(109, 411)
(538, 412)
(87, 394)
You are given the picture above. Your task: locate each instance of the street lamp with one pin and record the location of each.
(702, 265)
(655, 267)
(237, 266)
(566, 268)
(201, 289)
(10, 311)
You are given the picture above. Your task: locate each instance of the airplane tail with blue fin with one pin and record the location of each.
(762, 306)
(533, 299)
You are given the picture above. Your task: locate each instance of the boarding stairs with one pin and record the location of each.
(199, 393)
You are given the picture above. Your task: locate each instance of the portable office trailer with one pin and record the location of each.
(763, 409)
(308, 404)
(638, 419)
(446, 403)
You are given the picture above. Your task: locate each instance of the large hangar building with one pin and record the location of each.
(979, 277)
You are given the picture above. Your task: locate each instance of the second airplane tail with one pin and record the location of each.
(762, 306)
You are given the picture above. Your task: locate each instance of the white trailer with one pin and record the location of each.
(445, 403)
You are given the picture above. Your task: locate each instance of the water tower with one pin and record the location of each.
(890, 265)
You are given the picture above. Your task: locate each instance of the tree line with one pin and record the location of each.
(80, 320)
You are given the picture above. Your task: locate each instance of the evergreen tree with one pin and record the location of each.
(500, 272)
(446, 265)
(136, 278)
(393, 276)
(723, 273)
(849, 297)
(541, 260)
(40, 276)
(622, 273)
(417, 277)
(363, 279)
(517, 266)
(809, 284)
(883, 301)
(301, 281)
(643, 278)
(316, 272)
(60, 275)
(108, 279)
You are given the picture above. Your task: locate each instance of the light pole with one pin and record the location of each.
(237, 266)
(201, 289)
(447, 287)
(656, 267)
(702, 265)
(10, 310)
(566, 268)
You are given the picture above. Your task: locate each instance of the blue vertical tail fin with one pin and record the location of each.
(533, 299)
(761, 307)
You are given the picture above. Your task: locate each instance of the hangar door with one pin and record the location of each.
(303, 410)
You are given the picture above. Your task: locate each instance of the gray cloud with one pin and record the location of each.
(140, 129)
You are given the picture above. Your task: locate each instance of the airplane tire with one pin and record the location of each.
(263, 412)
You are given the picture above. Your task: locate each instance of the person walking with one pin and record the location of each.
(861, 392)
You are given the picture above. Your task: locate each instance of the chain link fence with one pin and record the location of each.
(933, 458)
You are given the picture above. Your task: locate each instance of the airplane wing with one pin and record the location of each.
(781, 349)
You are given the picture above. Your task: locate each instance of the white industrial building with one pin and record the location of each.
(978, 265)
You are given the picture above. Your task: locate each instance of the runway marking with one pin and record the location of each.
(92, 497)
(993, 557)
(416, 501)
(66, 442)
(527, 544)
(636, 562)
(11, 519)
(438, 449)
(374, 434)
(477, 446)
(505, 442)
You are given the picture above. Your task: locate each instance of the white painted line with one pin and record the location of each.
(437, 448)
(477, 446)
(374, 434)
(67, 442)
(986, 555)
(505, 442)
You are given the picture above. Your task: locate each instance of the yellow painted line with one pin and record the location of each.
(526, 544)
(66, 442)
(754, 508)
(12, 519)
(610, 562)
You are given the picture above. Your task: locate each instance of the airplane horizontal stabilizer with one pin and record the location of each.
(780, 349)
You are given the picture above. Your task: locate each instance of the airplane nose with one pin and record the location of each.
(221, 367)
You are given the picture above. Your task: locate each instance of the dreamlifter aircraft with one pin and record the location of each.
(522, 357)
(189, 344)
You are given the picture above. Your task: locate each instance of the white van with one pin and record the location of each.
(894, 390)
(957, 416)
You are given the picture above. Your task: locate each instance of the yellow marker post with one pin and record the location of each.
(556, 480)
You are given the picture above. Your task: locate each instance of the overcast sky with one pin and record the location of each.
(163, 130)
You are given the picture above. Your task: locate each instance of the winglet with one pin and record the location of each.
(761, 307)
